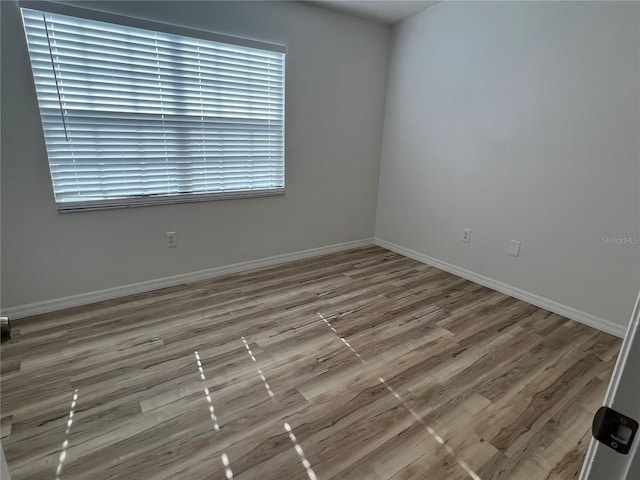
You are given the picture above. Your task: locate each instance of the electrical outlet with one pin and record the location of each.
(171, 240)
(514, 248)
(466, 235)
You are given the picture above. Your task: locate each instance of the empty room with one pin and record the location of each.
(357, 240)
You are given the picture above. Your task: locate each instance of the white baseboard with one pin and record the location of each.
(52, 305)
(542, 302)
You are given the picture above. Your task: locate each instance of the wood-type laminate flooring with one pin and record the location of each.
(362, 364)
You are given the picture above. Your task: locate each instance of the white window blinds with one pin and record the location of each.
(133, 116)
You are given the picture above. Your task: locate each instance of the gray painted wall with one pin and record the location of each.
(336, 74)
(519, 120)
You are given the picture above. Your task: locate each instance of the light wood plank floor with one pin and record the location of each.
(357, 365)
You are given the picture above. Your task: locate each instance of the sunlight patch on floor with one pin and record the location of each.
(227, 469)
(431, 431)
(344, 340)
(305, 463)
(207, 394)
(65, 443)
(262, 377)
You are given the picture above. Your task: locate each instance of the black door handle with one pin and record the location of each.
(614, 429)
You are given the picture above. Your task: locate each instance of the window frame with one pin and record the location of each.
(134, 22)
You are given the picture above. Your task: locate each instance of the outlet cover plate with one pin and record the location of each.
(171, 239)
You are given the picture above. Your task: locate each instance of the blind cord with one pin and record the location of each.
(55, 77)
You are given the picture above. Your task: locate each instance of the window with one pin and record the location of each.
(137, 116)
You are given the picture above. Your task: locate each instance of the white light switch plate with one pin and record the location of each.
(514, 248)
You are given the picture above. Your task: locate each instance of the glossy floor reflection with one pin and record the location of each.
(65, 443)
(418, 418)
(262, 377)
(357, 365)
(305, 463)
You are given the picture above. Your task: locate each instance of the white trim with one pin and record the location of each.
(616, 463)
(52, 305)
(542, 302)
(127, 21)
(132, 202)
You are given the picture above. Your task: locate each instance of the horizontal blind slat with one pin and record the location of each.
(135, 114)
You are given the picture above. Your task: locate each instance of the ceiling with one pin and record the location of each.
(383, 11)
